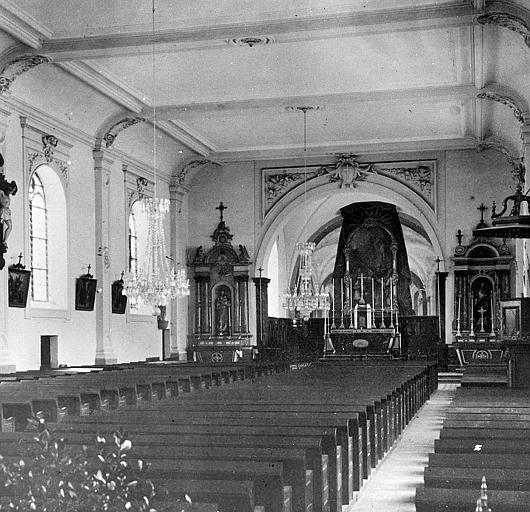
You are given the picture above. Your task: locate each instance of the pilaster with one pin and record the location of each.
(6, 362)
(102, 169)
(179, 314)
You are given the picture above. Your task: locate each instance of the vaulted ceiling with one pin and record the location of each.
(386, 75)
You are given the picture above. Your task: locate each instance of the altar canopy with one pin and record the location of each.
(372, 251)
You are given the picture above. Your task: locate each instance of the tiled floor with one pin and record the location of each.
(392, 487)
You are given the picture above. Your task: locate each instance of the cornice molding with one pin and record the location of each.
(103, 84)
(276, 153)
(22, 26)
(181, 133)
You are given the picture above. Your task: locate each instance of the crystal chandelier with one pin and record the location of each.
(303, 298)
(155, 282)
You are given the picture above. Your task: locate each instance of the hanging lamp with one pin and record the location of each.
(303, 298)
(156, 282)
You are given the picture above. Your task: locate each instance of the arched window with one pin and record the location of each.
(137, 240)
(38, 239)
(133, 244)
(48, 244)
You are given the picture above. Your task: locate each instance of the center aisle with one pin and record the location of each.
(393, 487)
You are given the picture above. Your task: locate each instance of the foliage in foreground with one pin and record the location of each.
(51, 476)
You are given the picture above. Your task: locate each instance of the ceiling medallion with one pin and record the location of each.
(251, 41)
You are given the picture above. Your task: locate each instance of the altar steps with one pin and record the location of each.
(451, 377)
(492, 374)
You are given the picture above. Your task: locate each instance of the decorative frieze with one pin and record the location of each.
(348, 172)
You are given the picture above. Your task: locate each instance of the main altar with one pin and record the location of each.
(370, 283)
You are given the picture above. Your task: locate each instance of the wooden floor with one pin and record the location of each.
(392, 488)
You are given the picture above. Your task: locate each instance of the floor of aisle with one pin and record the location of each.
(393, 486)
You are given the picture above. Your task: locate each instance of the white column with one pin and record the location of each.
(177, 240)
(102, 169)
(521, 253)
(6, 363)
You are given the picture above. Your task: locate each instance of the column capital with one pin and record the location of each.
(264, 281)
(101, 159)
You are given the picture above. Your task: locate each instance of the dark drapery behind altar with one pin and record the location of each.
(369, 230)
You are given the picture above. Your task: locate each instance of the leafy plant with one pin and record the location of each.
(52, 477)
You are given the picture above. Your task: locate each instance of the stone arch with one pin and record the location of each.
(506, 96)
(16, 65)
(378, 188)
(507, 15)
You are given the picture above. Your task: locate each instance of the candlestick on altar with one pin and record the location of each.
(472, 332)
(373, 302)
(351, 303)
(458, 333)
(382, 304)
(391, 294)
(332, 302)
(492, 332)
(342, 303)
(361, 301)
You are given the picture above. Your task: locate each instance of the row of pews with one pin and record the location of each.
(245, 438)
(485, 434)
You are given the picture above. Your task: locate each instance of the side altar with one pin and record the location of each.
(482, 273)
(220, 300)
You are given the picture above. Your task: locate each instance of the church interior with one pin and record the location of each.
(276, 235)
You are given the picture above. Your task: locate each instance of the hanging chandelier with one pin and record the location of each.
(155, 282)
(303, 298)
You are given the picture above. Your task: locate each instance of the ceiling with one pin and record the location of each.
(384, 74)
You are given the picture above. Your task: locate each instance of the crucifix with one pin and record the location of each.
(482, 208)
(459, 236)
(437, 261)
(221, 208)
(482, 311)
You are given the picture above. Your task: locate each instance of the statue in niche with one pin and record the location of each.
(482, 294)
(222, 312)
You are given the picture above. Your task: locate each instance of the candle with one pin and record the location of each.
(362, 288)
(382, 295)
(391, 295)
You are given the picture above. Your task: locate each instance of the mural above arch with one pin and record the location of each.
(419, 176)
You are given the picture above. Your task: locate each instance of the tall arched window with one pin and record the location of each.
(137, 240)
(38, 238)
(48, 244)
(133, 244)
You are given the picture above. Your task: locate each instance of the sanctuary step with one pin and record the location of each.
(490, 374)
(452, 377)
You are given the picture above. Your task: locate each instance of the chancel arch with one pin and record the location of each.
(312, 216)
